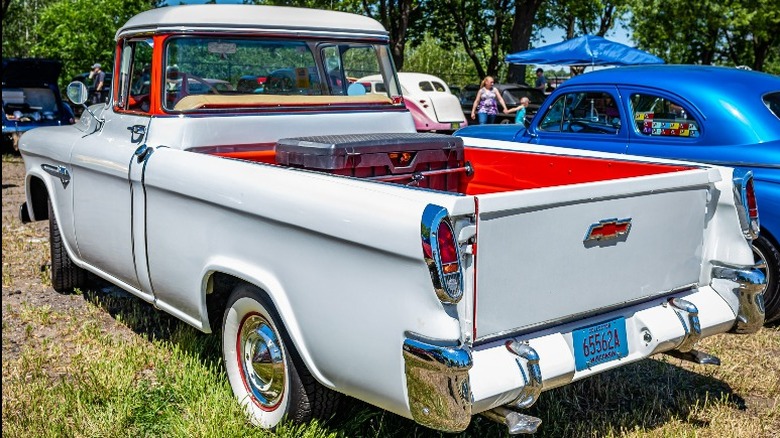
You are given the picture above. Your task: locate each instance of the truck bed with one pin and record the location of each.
(485, 171)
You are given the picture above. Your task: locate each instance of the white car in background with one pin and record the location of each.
(433, 107)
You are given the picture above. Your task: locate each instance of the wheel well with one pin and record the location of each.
(39, 197)
(220, 286)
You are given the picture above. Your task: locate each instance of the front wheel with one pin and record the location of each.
(65, 275)
(266, 374)
(767, 259)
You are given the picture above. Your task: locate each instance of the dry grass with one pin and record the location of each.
(101, 363)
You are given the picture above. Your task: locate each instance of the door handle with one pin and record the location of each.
(137, 129)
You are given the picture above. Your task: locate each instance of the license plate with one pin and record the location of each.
(455, 125)
(600, 343)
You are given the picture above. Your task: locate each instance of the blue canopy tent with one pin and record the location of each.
(583, 51)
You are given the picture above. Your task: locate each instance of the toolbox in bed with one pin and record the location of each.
(416, 159)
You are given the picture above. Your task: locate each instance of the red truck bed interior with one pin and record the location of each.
(475, 171)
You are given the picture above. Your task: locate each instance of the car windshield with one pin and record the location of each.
(30, 104)
(239, 73)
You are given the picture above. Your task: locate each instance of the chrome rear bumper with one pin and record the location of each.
(748, 285)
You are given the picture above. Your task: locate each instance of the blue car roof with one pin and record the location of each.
(685, 80)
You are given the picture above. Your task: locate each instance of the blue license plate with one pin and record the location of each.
(600, 343)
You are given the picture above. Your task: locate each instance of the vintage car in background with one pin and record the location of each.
(715, 115)
(31, 98)
(335, 249)
(433, 107)
(512, 93)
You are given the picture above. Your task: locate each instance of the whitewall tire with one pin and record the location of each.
(266, 374)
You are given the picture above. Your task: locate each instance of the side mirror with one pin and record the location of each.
(77, 92)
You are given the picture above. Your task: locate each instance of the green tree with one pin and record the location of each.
(81, 32)
(19, 20)
(433, 57)
(730, 32)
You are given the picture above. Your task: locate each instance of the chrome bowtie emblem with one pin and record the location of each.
(608, 229)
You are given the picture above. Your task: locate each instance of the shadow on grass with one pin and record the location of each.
(151, 323)
(637, 397)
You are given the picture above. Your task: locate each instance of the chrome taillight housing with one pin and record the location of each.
(745, 199)
(442, 254)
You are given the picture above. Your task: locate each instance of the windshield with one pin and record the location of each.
(238, 73)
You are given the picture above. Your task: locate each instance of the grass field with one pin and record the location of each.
(101, 363)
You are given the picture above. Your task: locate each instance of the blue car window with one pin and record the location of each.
(658, 116)
(583, 113)
(772, 101)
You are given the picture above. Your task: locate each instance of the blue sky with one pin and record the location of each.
(549, 36)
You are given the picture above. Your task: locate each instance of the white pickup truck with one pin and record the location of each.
(239, 182)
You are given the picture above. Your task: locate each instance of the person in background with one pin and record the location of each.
(520, 110)
(98, 77)
(485, 105)
(541, 81)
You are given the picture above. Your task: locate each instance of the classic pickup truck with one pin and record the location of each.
(337, 251)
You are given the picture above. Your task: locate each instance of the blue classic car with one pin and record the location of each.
(31, 98)
(706, 114)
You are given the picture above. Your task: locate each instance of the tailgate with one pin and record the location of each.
(536, 265)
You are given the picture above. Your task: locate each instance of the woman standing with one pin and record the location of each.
(485, 103)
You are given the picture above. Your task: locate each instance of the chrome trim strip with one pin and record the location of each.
(692, 326)
(437, 384)
(748, 285)
(60, 172)
(533, 379)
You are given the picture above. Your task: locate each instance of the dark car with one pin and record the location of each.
(716, 115)
(512, 93)
(31, 98)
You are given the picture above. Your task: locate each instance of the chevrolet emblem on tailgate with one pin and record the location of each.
(608, 229)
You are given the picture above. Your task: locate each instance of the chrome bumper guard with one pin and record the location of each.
(437, 384)
(692, 326)
(748, 285)
(532, 376)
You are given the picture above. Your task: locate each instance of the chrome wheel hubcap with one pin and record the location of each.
(261, 361)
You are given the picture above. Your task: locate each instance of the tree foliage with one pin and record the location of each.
(729, 32)
(19, 20)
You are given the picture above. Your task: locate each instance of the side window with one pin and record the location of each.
(425, 86)
(135, 76)
(438, 86)
(657, 116)
(584, 112)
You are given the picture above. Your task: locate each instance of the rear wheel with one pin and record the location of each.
(768, 260)
(65, 275)
(266, 374)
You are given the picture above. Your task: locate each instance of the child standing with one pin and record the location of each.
(520, 109)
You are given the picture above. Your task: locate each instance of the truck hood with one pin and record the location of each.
(493, 132)
(30, 72)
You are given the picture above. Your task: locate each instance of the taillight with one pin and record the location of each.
(745, 199)
(397, 100)
(440, 249)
